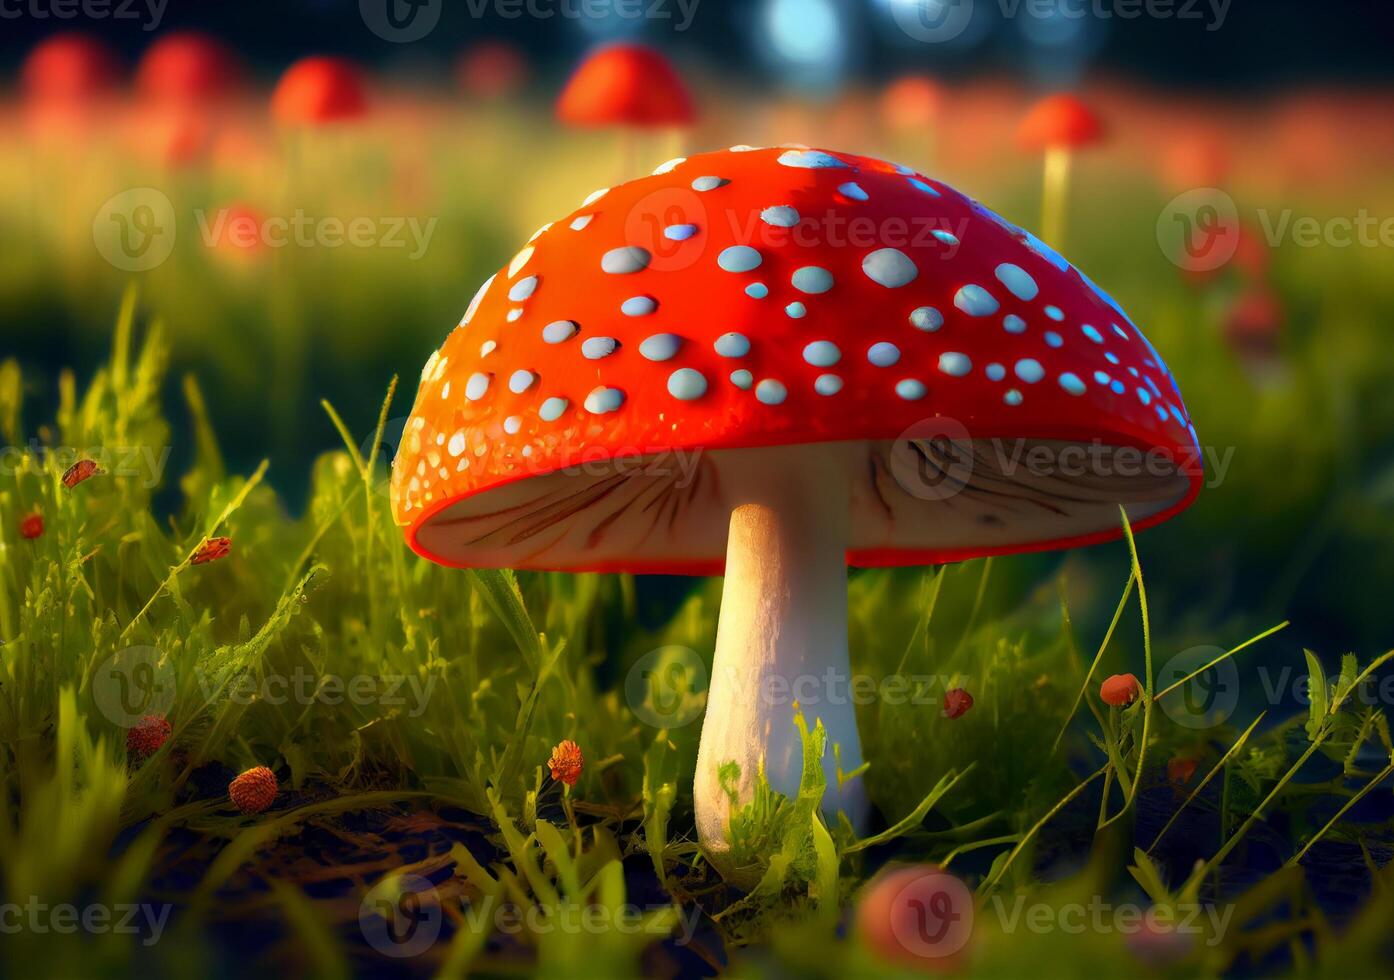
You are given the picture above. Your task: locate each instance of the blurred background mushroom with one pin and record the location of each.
(1057, 127)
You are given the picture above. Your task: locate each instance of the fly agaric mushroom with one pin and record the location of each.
(911, 105)
(1057, 126)
(316, 91)
(625, 85)
(187, 68)
(630, 86)
(762, 399)
(70, 68)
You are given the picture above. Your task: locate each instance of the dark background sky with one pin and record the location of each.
(1262, 43)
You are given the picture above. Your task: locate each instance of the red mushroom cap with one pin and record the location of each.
(1120, 690)
(580, 415)
(70, 68)
(1059, 121)
(625, 85)
(491, 70)
(319, 90)
(187, 67)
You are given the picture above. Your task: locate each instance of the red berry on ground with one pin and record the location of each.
(254, 790)
(31, 526)
(146, 736)
(957, 702)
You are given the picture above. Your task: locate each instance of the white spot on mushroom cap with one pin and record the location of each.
(487, 348)
(602, 400)
(1053, 339)
(1012, 397)
(520, 381)
(625, 260)
(520, 260)
(911, 389)
(926, 318)
(757, 290)
(920, 185)
(540, 232)
(552, 409)
(559, 331)
(890, 267)
(739, 258)
(955, 364)
(809, 159)
(1029, 369)
(594, 348)
(579, 223)
(796, 311)
(669, 166)
(478, 298)
(995, 372)
(456, 445)
(514, 315)
(1018, 281)
(771, 392)
(812, 279)
(1013, 323)
(660, 347)
(883, 354)
(854, 191)
(638, 306)
(947, 237)
(1092, 333)
(1055, 313)
(709, 183)
(679, 233)
(687, 384)
(822, 353)
(477, 386)
(732, 345)
(742, 379)
(512, 424)
(780, 216)
(827, 384)
(523, 289)
(1071, 383)
(595, 196)
(976, 301)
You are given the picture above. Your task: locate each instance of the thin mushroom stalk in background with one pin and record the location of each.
(738, 388)
(1057, 127)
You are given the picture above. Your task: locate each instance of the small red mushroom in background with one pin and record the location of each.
(626, 85)
(491, 70)
(147, 736)
(1120, 690)
(957, 702)
(211, 550)
(566, 762)
(912, 103)
(1058, 126)
(317, 91)
(254, 790)
(31, 526)
(1199, 158)
(68, 68)
(188, 68)
(83, 469)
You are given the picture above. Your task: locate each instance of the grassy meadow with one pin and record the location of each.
(408, 711)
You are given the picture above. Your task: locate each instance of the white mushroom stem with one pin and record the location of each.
(781, 643)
